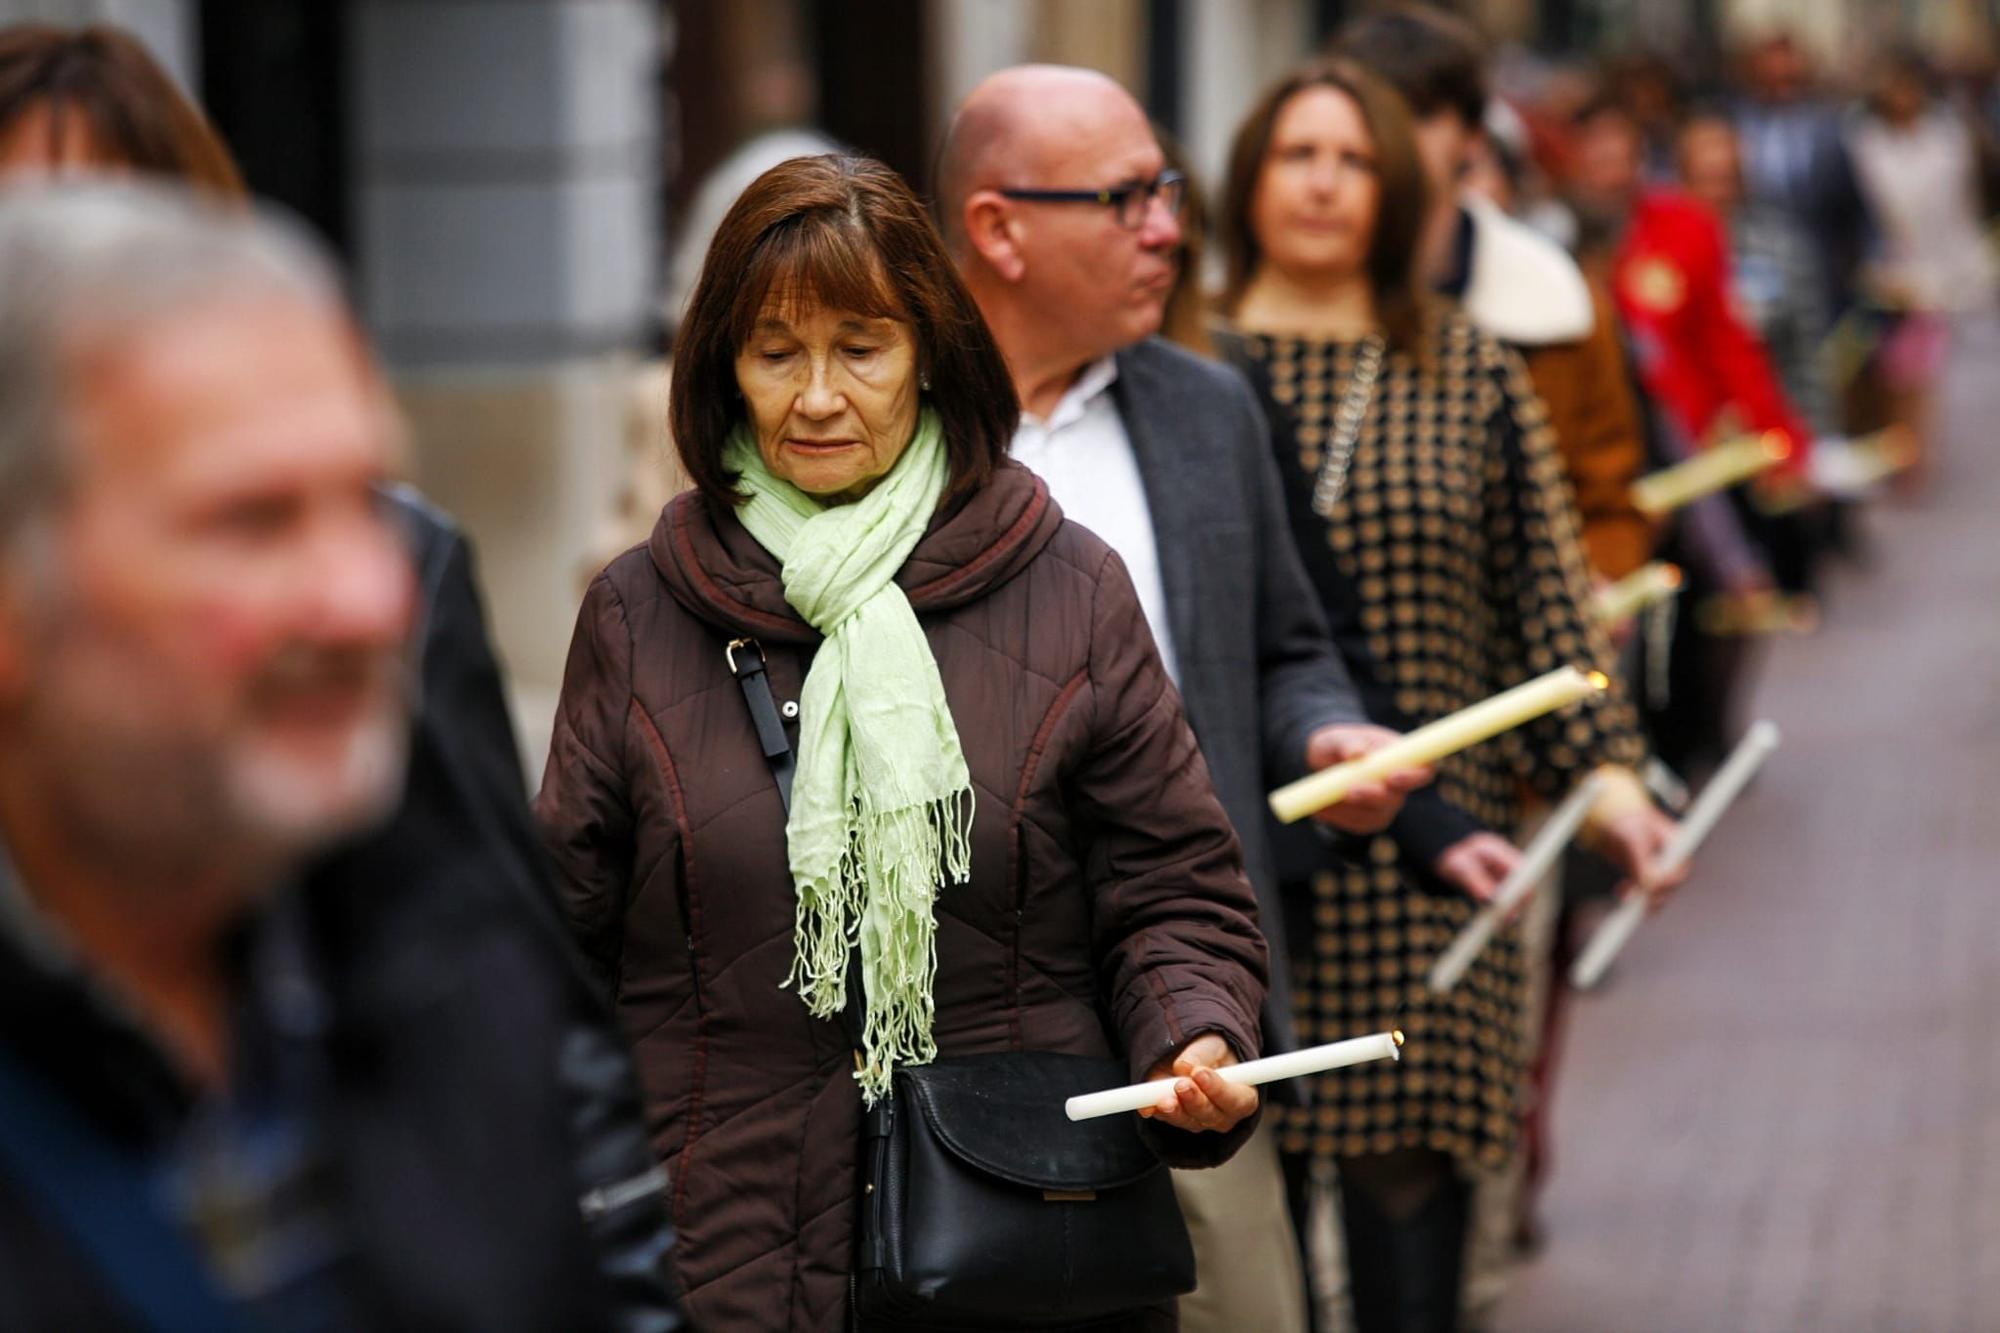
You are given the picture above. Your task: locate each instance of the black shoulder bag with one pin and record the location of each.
(981, 1204)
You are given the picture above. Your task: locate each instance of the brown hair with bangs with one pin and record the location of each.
(845, 233)
(1392, 252)
(135, 115)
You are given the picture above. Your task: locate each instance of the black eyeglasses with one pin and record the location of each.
(1127, 202)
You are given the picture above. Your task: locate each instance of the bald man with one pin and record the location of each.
(1056, 201)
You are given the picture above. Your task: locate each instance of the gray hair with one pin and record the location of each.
(85, 263)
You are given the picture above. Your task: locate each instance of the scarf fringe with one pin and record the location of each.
(880, 895)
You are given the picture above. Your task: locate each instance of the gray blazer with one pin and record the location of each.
(1259, 671)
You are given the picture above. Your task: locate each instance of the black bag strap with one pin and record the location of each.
(747, 663)
(103, 1198)
(752, 674)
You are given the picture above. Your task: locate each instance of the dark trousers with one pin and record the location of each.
(1405, 1215)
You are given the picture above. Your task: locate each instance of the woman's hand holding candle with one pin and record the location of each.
(1708, 808)
(1531, 867)
(1153, 1097)
(1618, 602)
(1435, 740)
(1368, 806)
(1200, 1099)
(1478, 864)
(1636, 840)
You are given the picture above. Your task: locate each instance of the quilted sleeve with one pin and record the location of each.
(1175, 918)
(582, 808)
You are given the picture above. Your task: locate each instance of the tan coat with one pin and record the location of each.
(1595, 416)
(1525, 291)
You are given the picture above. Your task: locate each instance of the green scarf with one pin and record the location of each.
(882, 800)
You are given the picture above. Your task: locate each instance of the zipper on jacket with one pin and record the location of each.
(610, 1198)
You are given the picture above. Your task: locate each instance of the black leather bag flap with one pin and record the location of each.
(1004, 1115)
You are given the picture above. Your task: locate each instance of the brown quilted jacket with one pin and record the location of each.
(1108, 911)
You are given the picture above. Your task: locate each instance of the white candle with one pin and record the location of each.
(1428, 744)
(1536, 858)
(1292, 1064)
(1848, 469)
(1702, 816)
(1664, 783)
(1605, 945)
(1757, 614)
(1707, 472)
(1636, 591)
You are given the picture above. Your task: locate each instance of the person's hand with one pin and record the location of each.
(1633, 840)
(1753, 586)
(1619, 631)
(1369, 806)
(1478, 864)
(1199, 1100)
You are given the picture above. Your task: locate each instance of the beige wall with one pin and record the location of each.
(529, 462)
(974, 38)
(1101, 34)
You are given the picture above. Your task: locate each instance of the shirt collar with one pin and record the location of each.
(1096, 379)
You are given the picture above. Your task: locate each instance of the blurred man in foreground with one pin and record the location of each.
(210, 1115)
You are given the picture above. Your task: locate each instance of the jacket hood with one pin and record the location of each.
(1522, 287)
(720, 573)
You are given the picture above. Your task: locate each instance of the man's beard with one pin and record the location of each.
(134, 781)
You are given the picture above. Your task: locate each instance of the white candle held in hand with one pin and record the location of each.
(1446, 736)
(1702, 816)
(1536, 858)
(1707, 472)
(1292, 1064)
(1636, 591)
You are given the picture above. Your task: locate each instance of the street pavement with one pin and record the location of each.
(1782, 1110)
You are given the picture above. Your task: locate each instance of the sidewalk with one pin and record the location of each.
(1782, 1112)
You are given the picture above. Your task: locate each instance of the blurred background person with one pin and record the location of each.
(213, 1095)
(1653, 92)
(1775, 289)
(1666, 260)
(1776, 278)
(1668, 265)
(1428, 503)
(779, 107)
(92, 99)
(846, 417)
(1795, 161)
(460, 852)
(1509, 170)
(1917, 161)
(1511, 282)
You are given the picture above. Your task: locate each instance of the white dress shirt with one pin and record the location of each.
(1084, 454)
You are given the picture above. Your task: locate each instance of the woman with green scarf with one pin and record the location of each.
(999, 825)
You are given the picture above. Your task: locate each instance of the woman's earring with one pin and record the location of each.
(924, 382)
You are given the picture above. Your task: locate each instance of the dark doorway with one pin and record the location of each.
(273, 77)
(874, 93)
